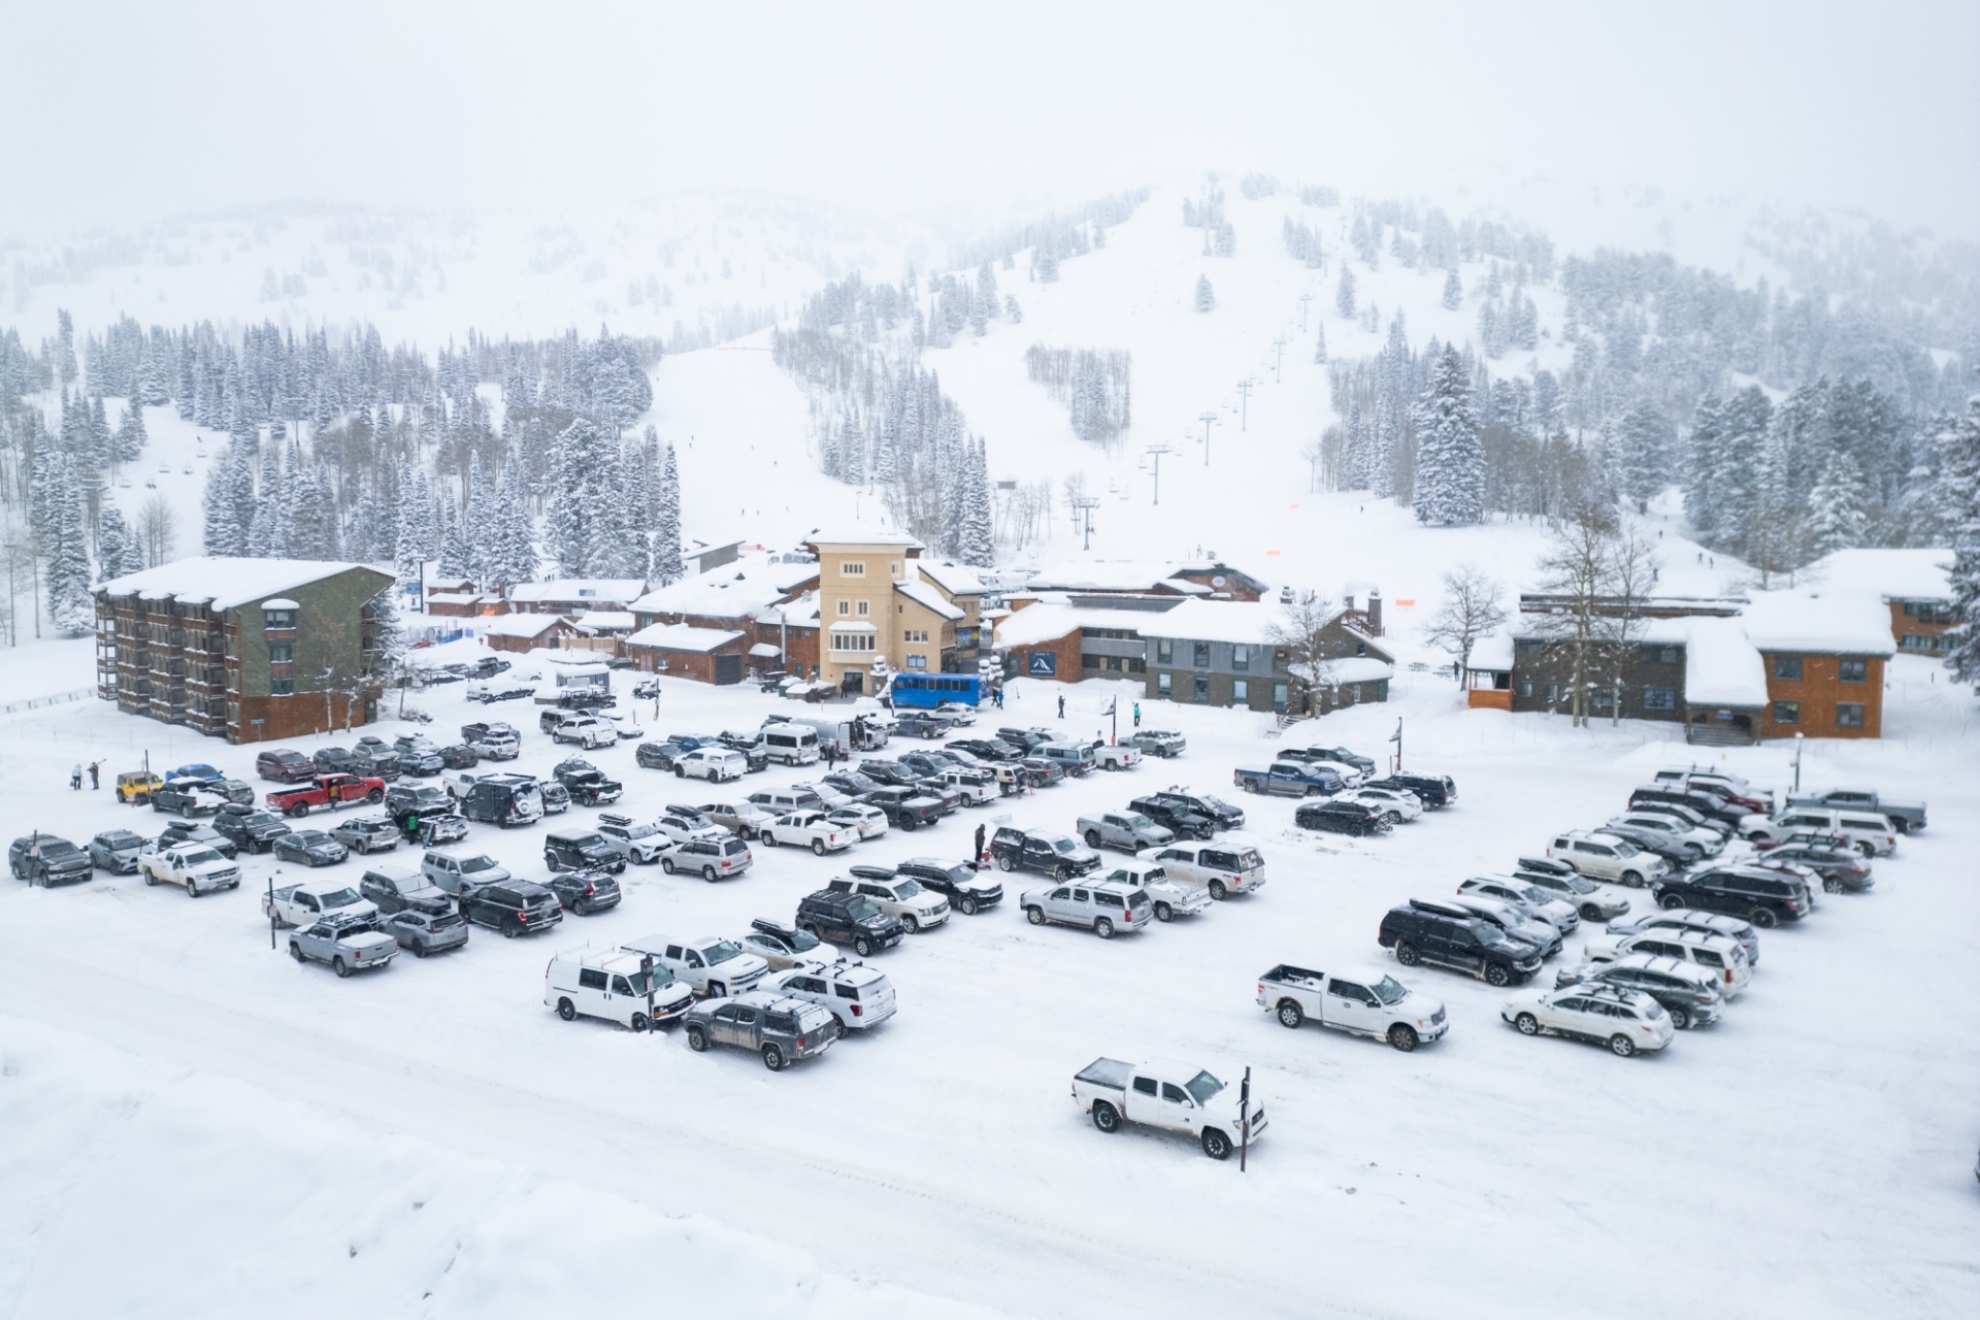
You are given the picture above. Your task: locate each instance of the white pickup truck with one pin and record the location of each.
(195, 867)
(1116, 756)
(305, 905)
(1361, 1000)
(1166, 1094)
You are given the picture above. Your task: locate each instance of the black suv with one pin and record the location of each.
(906, 809)
(333, 760)
(584, 891)
(1341, 818)
(848, 919)
(46, 860)
(655, 755)
(1026, 740)
(586, 783)
(250, 830)
(968, 890)
(890, 773)
(397, 890)
(514, 907)
(1434, 790)
(989, 749)
(581, 850)
(851, 782)
(1450, 937)
(1063, 858)
(1764, 897)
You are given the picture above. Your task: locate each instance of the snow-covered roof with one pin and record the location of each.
(607, 620)
(953, 578)
(616, 591)
(455, 598)
(1249, 621)
(1493, 653)
(281, 603)
(853, 626)
(1116, 575)
(1721, 667)
(860, 534)
(446, 584)
(738, 590)
(765, 651)
(518, 625)
(682, 637)
(928, 598)
(1886, 574)
(799, 613)
(1359, 669)
(225, 583)
(1838, 624)
(1049, 620)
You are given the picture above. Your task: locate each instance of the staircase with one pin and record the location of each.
(1718, 735)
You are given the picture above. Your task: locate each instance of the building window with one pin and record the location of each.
(853, 568)
(1136, 665)
(1525, 687)
(1240, 692)
(1240, 657)
(1089, 662)
(1165, 653)
(1660, 655)
(1788, 712)
(917, 662)
(852, 641)
(1553, 693)
(1202, 657)
(917, 634)
(845, 608)
(1201, 686)
(862, 607)
(1915, 642)
(1855, 671)
(1278, 696)
(1659, 699)
(1849, 714)
(1164, 685)
(1787, 668)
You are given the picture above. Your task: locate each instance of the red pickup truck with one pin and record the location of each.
(330, 791)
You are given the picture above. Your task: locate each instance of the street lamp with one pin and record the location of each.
(1156, 452)
(1208, 419)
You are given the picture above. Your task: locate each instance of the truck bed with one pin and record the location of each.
(1110, 1073)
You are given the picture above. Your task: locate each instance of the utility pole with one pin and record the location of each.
(1086, 504)
(1244, 408)
(1208, 419)
(1156, 452)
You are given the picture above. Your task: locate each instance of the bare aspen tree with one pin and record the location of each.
(1470, 610)
(1301, 634)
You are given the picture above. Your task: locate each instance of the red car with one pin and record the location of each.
(330, 791)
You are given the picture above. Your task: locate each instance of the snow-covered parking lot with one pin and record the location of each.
(191, 1123)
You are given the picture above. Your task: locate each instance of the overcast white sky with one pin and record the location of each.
(124, 110)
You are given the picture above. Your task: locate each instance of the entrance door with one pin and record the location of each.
(728, 669)
(852, 682)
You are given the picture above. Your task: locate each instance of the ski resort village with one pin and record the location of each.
(1229, 744)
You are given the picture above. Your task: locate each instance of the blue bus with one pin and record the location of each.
(927, 691)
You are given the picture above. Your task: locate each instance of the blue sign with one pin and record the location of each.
(1044, 664)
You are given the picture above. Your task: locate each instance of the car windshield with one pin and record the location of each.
(259, 819)
(863, 909)
(125, 839)
(1579, 884)
(1064, 845)
(472, 865)
(906, 889)
(1140, 822)
(337, 898)
(1537, 895)
(1388, 991)
(1202, 1086)
(1624, 848)
(197, 857)
(801, 941)
(720, 952)
(1487, 933)
(57, 848)
(589, 841)
(1218, 804)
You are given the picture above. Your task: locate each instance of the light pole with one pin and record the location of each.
(1208, 419)
(1244, 408)
(1156, 452)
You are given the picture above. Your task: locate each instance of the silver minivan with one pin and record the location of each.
(791, 744)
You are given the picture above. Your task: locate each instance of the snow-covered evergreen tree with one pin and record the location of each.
(1641, 454)
(1206, 297)
(453, 540)
(1959, 506)
(1453, 291)
(976, 540)
(223, 532)
(71, 608)
(1837, 518)
(409, 554)
(268, 523)
(116, 552)
(668, 567)
(1450, 462)
(1344, 293)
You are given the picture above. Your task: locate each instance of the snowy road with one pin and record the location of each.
(1809, 1156)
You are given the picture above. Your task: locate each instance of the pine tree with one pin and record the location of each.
(1344, 293)
(409, 555)
(71, 607)
(514, 558)
(666, 549)
(131, 437)
(1837, 518)
(116, 553)
(453, 540)
(1453, 291)
(1642, 453)
(1959, 506)
(976, 539)
(1320, 342)
(1450, 462)
(1206, 297)
(268, 524)
(223, 532)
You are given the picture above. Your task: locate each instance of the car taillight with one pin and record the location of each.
(800, 1042)
(859, 1010)
(522, 916)
(1729, 975)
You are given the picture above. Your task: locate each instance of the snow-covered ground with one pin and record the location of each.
(253, 1135)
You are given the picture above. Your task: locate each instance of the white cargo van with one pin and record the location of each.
(790, 743)
(613, 985)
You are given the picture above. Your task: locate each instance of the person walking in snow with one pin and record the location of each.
(95, 768)
(979, 846)
(1137, 714)
(1062, 705)
(75, 777)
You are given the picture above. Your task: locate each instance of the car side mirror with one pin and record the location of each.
(1372, 1003)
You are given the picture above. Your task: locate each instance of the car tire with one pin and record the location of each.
(641, 1024)
(1632, 879)
(769, 839)
(192, 890)
(697, 1038)
(1104, 928)
(1528, 1024)
(1163, 912)
(510, 932)
(862, 946)
(374, 797)
(1003, 863)
(968, 906)
(667, 865)
(1403, 1037)
(566, 1010)
(1763, 918)
(1621, 1046)
(1106, 1117)
(1867, 851)
(1406, 953)
(911, 924)
(1497, 976)
(339, 966)
(680, 772)
(1680, 1017)
(295, 951)
(149, 878)
(1589, 912)
(1671, 901)
(773, 1058)
(1035, 915)
(1218, 892)
(1093, 839)
(1290, 1014)
(1215, 1144)
(818, 847)
(907, 824)
(1831, 885)
(299, 809)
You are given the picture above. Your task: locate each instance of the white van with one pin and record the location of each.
(612, 985)
(1869, 833)
(870, 735)
(789, 743)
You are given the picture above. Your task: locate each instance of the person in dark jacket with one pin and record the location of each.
(979, 846)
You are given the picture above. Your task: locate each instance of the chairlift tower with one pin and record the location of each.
(1086, 504)
(1209, 420)
(1244, 408)
(1155, 452)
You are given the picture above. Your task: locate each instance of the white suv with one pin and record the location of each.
(1602, 856)
(1720, 955)
(1870, 833)
(897, 895)
(854, 994)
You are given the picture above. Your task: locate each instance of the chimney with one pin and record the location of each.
(1374, 614)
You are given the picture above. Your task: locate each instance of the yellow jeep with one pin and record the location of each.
(137, 786)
